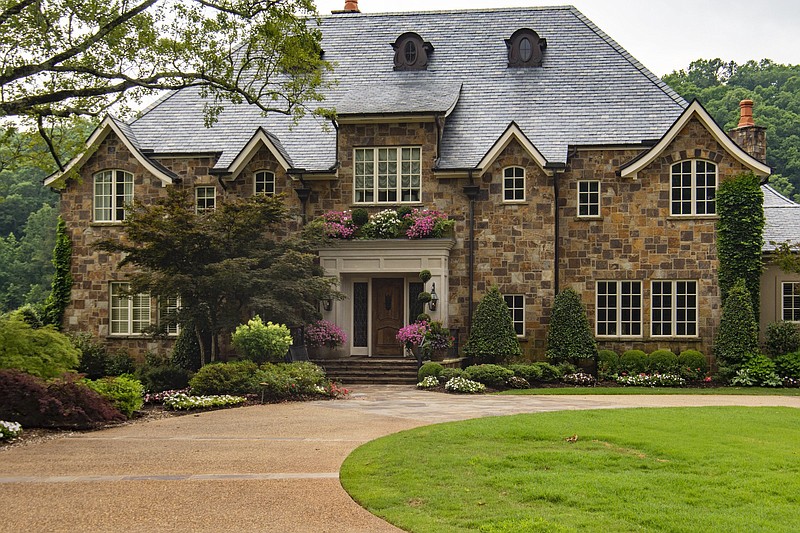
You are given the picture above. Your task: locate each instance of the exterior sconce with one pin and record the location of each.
(327, 304)
(434, 298)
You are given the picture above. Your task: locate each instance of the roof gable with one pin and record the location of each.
(259, 138)
(695, 110)
(513, 132)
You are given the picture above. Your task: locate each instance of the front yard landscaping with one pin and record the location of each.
(677, 469)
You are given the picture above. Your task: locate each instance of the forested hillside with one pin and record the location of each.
(774, 88)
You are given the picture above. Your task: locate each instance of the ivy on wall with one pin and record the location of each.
(61, 290)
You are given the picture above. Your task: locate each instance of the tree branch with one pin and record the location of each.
(49, 142)
(16, 9)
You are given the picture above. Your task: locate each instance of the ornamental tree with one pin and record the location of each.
(569, 337)
(737, 338)
(492, 337)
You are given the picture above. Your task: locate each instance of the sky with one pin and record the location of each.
(664, 35)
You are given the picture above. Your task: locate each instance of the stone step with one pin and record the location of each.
(370, 370)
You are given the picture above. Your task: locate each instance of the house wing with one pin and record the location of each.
(782, 217)
(260, 138)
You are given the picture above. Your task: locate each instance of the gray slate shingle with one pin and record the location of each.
(782, 218)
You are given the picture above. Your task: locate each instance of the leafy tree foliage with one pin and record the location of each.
(42, 352)
(569, 337)
(224, 265)
(740, 235)
(492, 337)
(63, 58)
(737, 337)
(775, 89)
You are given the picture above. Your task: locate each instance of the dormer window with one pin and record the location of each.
(525, 48)
(411, 52)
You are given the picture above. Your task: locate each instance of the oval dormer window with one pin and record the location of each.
(411, 52)
(525, 48)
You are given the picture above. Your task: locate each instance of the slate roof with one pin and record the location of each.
(589, 90)
(782, 218)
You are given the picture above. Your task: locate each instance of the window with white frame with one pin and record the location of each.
(513, 184)
(167, 308)
(113, 190)
(588, 198)
(673, 310)
(791, 301)
(387, 175)
(516, 305)
(264, 182)
(618, 309)
(694, 188)
(130, 313)
(205, 199)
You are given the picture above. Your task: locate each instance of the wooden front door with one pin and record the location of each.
(387, 316)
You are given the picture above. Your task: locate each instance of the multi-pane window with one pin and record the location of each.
(516, 305)
(130, 314)
(387, 175)
(791, 301)
(674, 308)
(513, 184)
(264, 182)
(619, 308)
(113, 190)
(205, 199)
(694, 188)
(588, 198)
(167, 308)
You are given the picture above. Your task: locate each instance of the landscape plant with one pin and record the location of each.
(581, 379)
(183, 402)
(633, 362)
(261, 342)
(528, 372)
(428, 382)
(429, 369)
(492, 338)
(662, 362)
(9, 430)
(186, 350)
(693, 365)
(757, 370)
(234, 378)
(95, 360)
(42, 352)
(324, 333)
(61, 288)
(463, 385)
(607, 364)
(781, 338)
(494, 376)
(788, 365)
(427, 223)
(124, 393)
(569, 335)
(652, 380)
(383, 225)
(279, 381)
(737, 335)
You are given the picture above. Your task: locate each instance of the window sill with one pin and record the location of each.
(515, 202)
(589, 218)
(692, 217)
(139, 336)
(675, 337)
(106, 224)
(386, 204)
(620, 337)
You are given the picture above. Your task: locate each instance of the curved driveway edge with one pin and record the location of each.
(260, 468)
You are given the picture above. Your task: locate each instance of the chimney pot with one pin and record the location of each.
(351, 6)
(746, 114)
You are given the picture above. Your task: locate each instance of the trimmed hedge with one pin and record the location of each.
(429, 369)
(607, 363)
(494, 376)
(569, 336)
(782, 338)
(492, 337)
(737, 336)
(693, 364)
(633, 362)
(662, 362)
(530, 373)
(238, 377)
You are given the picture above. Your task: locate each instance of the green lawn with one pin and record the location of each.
(677, 469)
(738, 391)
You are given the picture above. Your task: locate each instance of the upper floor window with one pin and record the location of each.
(113, 190)
(516, 306)
(791, 301)
(588, 198)
(513, 184)
(525, 48)
(674, 308)
(264, 182)
(205, 199)
(387, 175)
(619, 308)
(411, 52)
(130, 314)
(167, 309)
(694, 188)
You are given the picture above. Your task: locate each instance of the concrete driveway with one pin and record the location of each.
(261, 468)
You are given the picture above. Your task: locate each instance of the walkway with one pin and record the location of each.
(261, 468)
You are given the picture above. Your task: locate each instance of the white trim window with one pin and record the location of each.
(205, 199)
(130, 314)
(166, 314)
(513, 184)
(618, 309)
(387, 175)
(516, 305)
(264, 183)
(790, 303)
(588, 198)
(673, 310)
(693, 188)
(113, 190)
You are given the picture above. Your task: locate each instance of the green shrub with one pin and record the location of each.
(788, 365)
(360, 216)
(96, 362)
(186, 352)
(530, 373)
(42, 352)
(550, 373)
(124, 393)
(284, 380)
(163, 377)
(494, 376)
(633, 362)
(693, 365)
(31, 315)
(607, 363)
(184, 402)
(662, 362)
(238, 377)
(757, 370)
(566, 368)
(429, 369)
(261, 342)
(737, 336)
(515, 382)
(782, 338)
(492, 337)
(450, 373)
(569, 336)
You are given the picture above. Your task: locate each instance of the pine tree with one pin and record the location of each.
(492, 337)
(569, 337)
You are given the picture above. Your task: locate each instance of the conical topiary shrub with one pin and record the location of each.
(737, 338)
(492, 338)
(569, 337)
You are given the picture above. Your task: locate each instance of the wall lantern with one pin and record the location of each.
(327, 304)
(434, 298)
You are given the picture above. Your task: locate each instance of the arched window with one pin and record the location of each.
(513, 184)
(525, 48)
(693, 188)
(113, 190)
(264, 182)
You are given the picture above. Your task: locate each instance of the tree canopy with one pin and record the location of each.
(66, 58)
(775, 88)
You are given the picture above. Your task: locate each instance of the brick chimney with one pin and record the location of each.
(751, 138)
(350, 6)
